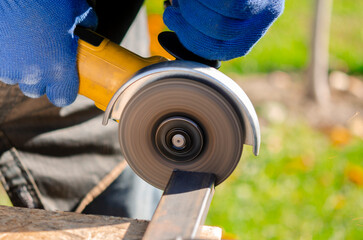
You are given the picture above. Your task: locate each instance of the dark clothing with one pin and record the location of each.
(52, 157)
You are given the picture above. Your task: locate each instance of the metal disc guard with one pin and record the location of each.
(182, 115)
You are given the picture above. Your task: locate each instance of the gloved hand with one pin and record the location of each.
(221, 29)
(37, 46)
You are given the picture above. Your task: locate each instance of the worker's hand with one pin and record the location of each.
(221, 29)
(37, 46)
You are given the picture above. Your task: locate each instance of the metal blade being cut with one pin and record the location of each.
(180, 123)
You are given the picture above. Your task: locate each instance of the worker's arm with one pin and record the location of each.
(37, 46)
(221, 29)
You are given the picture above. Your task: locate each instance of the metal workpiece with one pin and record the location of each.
(183, 207)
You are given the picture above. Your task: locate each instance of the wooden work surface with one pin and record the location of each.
(29, 224)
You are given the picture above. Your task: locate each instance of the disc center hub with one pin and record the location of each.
(179, 139)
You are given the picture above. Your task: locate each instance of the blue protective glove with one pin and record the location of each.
(221, 29)
(37, 46)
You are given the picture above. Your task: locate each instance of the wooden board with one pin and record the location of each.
(29, 224)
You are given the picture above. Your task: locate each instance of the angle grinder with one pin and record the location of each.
(182, 114)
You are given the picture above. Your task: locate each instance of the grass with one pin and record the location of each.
(285, 47)
(300, 187)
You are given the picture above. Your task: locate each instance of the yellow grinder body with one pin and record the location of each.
(104, 67)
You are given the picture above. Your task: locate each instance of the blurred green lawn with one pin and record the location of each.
(301, 186)
(286, 45)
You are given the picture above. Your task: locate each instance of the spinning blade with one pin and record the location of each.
(180, 123)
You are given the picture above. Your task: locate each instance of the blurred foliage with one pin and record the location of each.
(302, 186)
(285, 46)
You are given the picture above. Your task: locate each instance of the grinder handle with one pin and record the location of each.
(171, 43)
(104, 66)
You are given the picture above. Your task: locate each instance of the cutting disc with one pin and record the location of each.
(180, 123)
